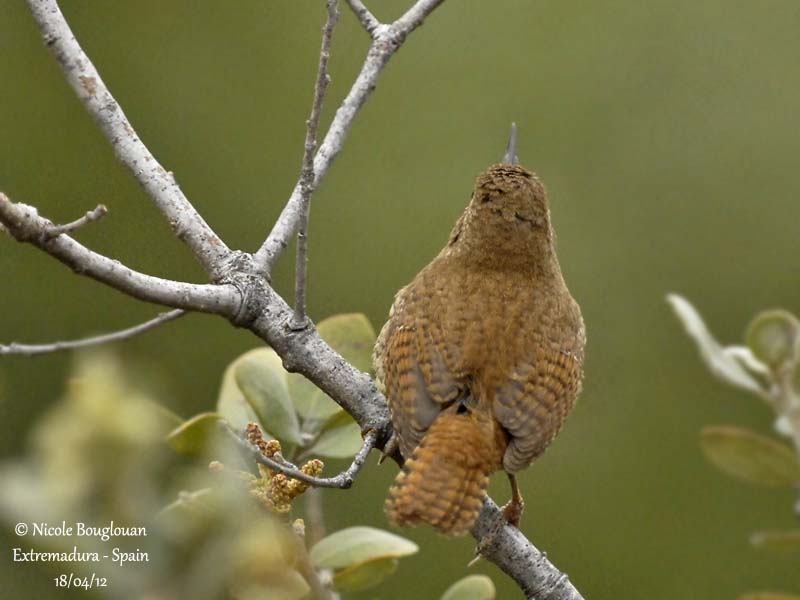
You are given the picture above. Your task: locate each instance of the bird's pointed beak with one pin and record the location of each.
(511, 157)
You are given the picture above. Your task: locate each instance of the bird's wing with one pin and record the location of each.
(412, 371)
(533, 404)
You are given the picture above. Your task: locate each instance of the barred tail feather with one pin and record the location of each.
(444, 481)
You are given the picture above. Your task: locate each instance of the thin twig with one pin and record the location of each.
(117, 336)
(92, 215)
(368, 20)
(159, 183)
(319, 589)
(25, 225)
(387, 41)
(315, 518)
(307, 172)
(343, 480)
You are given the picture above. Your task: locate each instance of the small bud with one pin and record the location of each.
(279, 495)
(313, 468)
(299, 527)
(271, 448)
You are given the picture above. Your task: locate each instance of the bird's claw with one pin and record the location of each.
(389, 448)
(512, 512)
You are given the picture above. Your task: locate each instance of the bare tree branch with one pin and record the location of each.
(25, 225)
(277, 463)
(364, 15)
(95, 214)
(414, 17)
(117, 336)
(306, 182)
(508, 548)
(159, 183)
(387, 41)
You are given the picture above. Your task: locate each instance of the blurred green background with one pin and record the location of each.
(665, 131)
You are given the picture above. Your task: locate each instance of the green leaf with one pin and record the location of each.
(772, 336)
(341, 442)
(356, 545)
(364, 575)
(788, 541)
(232, 404)
(721, 364)
(472, 587)
(311, 402)
(262, 380)
(169, 418)
(750, 456)
(340, 419)
(352, 336)
(193, 436)
(768, 596)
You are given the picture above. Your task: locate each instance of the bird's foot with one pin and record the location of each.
(389, 448)
(512, 511)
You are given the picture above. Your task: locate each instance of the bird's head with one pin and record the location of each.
(509, 212)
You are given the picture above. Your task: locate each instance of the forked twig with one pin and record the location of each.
(306, 183)
(343, 480)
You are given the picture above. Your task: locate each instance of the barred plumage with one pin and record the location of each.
(481, 358)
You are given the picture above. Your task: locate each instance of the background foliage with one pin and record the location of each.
(665, 131)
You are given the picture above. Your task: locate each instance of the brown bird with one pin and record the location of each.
(481, 358)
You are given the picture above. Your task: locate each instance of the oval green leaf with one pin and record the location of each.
(772, 336)
(472, 587)
(340, 442)
(262, 380)
(232, 404)
(786, 541)
(194, 436)
(356, 545)
(311, 402)
(352, 336)
(750, 456)
(723, 366)
(364, 575)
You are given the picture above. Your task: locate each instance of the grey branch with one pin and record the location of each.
(159, 183)
(343, 480)
(387, 40)
(306, 182)
(95, 214)
(116, 336)
(25, 225)
(245, 298)
(509, 549)
(364, 15)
